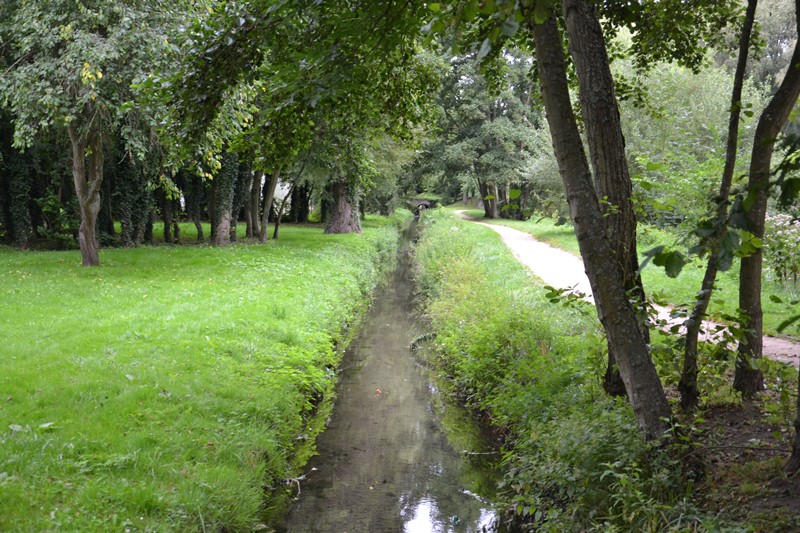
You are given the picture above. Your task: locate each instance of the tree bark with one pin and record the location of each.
(253, 203)
(609, 163)
(621, 326)
(269, 195)
(687, 386)
(223, 195)
(87, 176)
(344, 208)
(749, 380)
(279, 215)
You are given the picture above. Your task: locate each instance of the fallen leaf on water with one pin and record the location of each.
(377, 392)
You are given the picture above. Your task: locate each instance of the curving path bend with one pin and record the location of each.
(562, 269)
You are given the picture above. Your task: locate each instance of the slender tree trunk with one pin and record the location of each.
(645, 392)
(212, 208)
(344, 208)
(251, 206)
(269, 195)
(690, 395)
(749, 380)
(280, 210)
(609, 163)
(87, 175)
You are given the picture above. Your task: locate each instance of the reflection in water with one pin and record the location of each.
(386, 463)
(425, 517)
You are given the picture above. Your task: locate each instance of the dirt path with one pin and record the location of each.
(561, 269)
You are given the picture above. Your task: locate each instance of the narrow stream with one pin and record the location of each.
(392, 456)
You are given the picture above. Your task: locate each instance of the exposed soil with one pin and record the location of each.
(744, 456)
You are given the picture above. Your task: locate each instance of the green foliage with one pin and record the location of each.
(676, 146)
(167, 391)
(73, 64)
(782, 247)
(489, 136)
(575, 460)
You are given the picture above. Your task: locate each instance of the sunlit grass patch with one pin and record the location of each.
(165, 390)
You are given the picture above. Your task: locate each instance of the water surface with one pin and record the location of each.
(392, 456)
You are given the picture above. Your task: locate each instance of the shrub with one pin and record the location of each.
(574, 459)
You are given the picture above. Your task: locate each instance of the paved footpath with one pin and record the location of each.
(561, 269)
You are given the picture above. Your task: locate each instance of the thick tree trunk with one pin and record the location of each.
(223, 195)
(749, 380)
(619, 320)
(222, 237)
(269, 195)
(609, 163)
(690, 395)
(87, 175)
(483, 191)
(344, 208)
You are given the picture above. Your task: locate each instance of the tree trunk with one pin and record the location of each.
(494, 209)
(224, 191)
(167, 215)
(212, 209)
(252, 204)
(87, 175)
(749, 380)
(344, 208)
(483, 191)
(619, 320)
(690, 395)
(269, 195)
(280, 211)
(609, 163)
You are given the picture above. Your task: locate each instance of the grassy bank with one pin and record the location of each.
(574, 460)
(680, 291)
(169, 389)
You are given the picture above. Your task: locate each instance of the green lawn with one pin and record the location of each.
(665, 290)
(168, 389)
